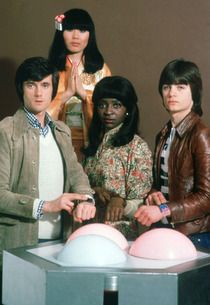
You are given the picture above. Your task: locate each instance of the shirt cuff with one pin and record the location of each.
(37, 208)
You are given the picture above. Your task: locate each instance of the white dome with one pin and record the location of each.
(91, 250)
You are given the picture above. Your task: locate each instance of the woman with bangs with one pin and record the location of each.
(117, 160)
(81, 65)
(180, 197)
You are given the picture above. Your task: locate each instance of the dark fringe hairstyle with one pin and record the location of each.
(180, 71)
(76, 19)
(120, 88)
(35, 69)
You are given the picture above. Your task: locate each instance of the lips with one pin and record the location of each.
(75, 44)
(172, 102)
(108, 121)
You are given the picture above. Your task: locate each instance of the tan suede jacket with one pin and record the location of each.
(19, 161)
(188, 174)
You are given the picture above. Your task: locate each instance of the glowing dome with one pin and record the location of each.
(163, 244)
(91, 250)
(102, 230)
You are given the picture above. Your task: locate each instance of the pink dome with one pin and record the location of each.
(163, 244)
(102, 230)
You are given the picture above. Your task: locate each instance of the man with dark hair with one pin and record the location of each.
(40, 177)
(180, 197)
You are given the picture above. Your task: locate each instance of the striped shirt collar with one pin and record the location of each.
(36, 124)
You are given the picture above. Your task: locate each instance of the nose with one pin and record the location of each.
(172, 90)
(75, 33)
(38, 90)
(108, 109)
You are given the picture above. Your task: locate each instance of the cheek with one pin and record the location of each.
(122, 117)
(100, 113)
(85, 40)
(66, 37)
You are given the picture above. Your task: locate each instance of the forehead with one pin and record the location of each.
(109, 100)
(47, 79)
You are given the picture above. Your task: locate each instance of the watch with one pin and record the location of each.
(164, 209)
(89, 199)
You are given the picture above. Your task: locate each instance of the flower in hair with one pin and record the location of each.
(58, 22)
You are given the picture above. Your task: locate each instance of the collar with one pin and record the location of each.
(184, 126)
(108, 136)
(36, 124)
(187, 123)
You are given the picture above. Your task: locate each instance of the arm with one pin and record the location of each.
(13, 202)
(138, 179)
(195, 203)
(76, 181)
(64, 93)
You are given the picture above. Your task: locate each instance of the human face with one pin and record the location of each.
(177, 99)
(76, 40)
(37, 95)
(111, 112)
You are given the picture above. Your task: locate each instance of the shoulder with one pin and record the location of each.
(6, 128)
(139, 145)
(201, 131)
(201, 126)
(106, 69)
(61, 126)
(16, 123)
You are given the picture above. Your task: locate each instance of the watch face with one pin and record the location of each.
(89, 200)
(164, 209)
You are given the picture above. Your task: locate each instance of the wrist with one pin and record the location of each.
(119, 200)
(40, 210)
(164, 209)
(83, 96)
(66, 96)
(89, 200)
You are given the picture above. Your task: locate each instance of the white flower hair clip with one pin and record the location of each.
(58, 22)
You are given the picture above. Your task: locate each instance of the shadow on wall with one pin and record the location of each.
(8, 98)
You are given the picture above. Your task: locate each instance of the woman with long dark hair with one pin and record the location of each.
(81, 65)
(117, 160)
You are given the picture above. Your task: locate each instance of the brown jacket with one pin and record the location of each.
(188, 174)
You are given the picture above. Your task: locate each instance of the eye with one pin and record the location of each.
(29, 85)
(165, 87)
(45, 85)
(181, 86)
(117, 105)
(101, 105)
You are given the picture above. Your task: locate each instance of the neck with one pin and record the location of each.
(177, 117)
(40, 117)
(76, 58)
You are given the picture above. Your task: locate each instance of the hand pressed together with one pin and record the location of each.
(75, 86)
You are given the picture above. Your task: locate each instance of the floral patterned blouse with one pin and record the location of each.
(124, 170)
